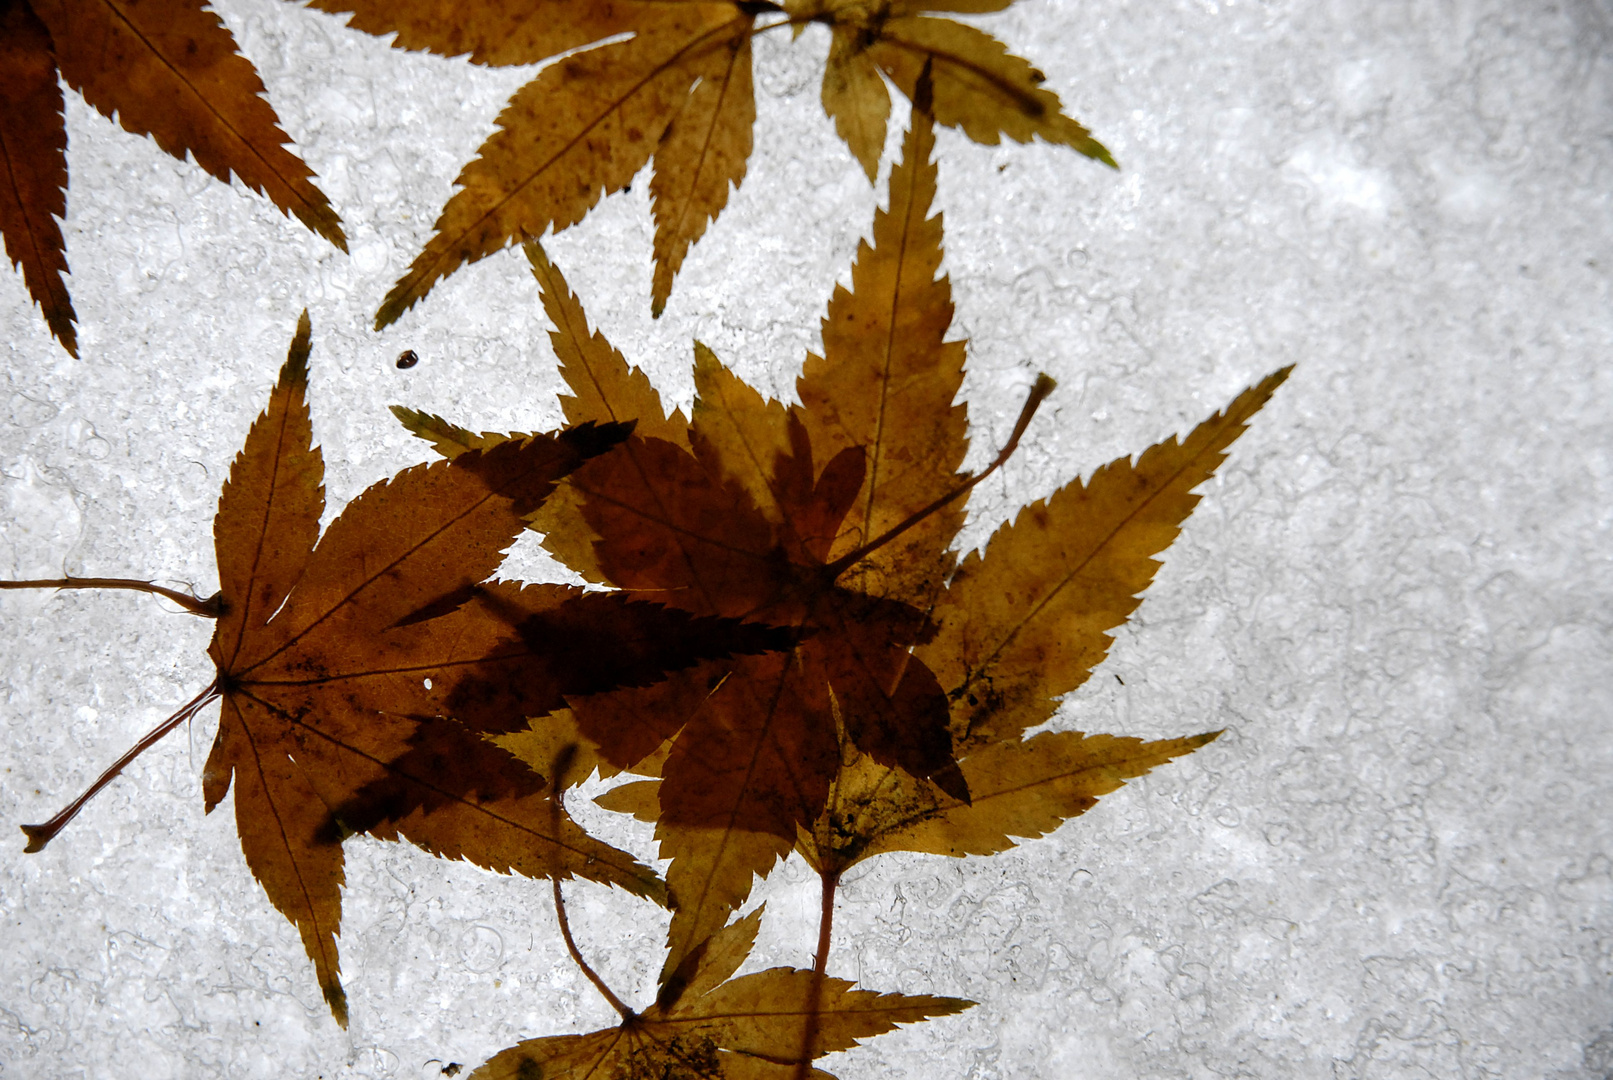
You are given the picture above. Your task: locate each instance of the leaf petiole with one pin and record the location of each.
(1043, 386)
(820, 966)
(209, 608)
(40, 835)
(561, 764)
(593, 976)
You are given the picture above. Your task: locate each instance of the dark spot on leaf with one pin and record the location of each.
(684, 1057)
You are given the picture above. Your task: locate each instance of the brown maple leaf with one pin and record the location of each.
(896, 719)
(707, 1025)
(679, 90)
(164, 68)
(337, 653)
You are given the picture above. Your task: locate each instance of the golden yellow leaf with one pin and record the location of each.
(887, 381)
(603, 388)
(640, 798)
(979, 85)
(1025, 622)
(671, 81)
(493, 32)
(905, 684)
(736, 432)
(706, 1025)
(555, 740)
(710, 876)
(1016, 789)
(855, 97)
(581, 129)
(703, 151)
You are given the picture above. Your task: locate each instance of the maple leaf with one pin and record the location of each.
(164, 68)
(707, 1024)
(897, 718)
(337, 653)
(978, 85)
(678, 90)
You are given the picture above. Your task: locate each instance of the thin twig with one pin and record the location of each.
(1044, 386)
(208, 608)
(40, 835)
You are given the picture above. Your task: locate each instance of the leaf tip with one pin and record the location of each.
(649, 885)
(924, 90)
(705, 361)
(590, 438)
(1260, 393)
(336, 236)
(295, 371)
(950, 779)
(336, 998)
(402, 297)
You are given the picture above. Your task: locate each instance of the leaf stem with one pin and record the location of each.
(209, 608)
(793, 20)
(820, 965)
(571, 946)
(562, 763)
(1039, 390)
(40, 835)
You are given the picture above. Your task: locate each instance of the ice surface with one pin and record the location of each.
(1396, 596)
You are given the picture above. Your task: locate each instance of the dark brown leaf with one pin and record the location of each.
(343, 660)
(164, 68)
(33, 151)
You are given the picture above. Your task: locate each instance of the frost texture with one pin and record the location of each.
(1395, 864)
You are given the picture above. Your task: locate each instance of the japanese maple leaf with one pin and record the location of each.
(164, 68)
(707, 1024)
(678, 90)
(836, 517)
(336, 653)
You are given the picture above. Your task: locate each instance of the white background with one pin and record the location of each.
(1396, 596)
